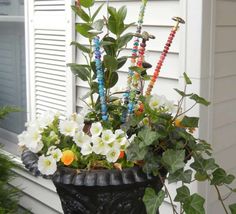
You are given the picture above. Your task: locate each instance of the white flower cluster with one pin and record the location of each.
(32, 137)
(156, 102)
(100, 141)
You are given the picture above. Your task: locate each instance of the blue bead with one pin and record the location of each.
(105, 117)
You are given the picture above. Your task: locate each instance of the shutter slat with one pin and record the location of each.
(50, 62)
(50, 57)
(50, 95)
(49, 66)
(51, 77)
(51, 91)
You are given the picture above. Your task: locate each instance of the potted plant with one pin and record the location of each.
(116, 156)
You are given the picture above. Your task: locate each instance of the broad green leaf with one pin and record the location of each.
(220, 177)
(110, 63)
(200, 100)
(81, 13)
(187, 79)
(152, 200)
(173, 160)
(87, 3)
(97, 11)
(180, 175)
(112, 11)
(134, 152)
(182, 194)
(122, 12)
(80, 70)
(81, 47)
(123, 40)
(194, 204)
(113, 80)
(109, 48)
(121, 61)
(83, 29)
(191, 122)
(137, 69)
(147, 137)
(232, 208)
(98, 25)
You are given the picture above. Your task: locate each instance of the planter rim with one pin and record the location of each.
(102, 178)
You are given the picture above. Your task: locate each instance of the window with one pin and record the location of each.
(12, 63)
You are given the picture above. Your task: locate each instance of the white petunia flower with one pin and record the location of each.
(78, 118)
(55, 153)
(96, 129)
(131, 139)
(68, 128)
(86, 149)
(81, 139)
(99, 147)
(156, 102)
(113, 155)
(46, 119)
(22, 138)
(108, 136)
(35, 146)
(47, 165)
(119, 133)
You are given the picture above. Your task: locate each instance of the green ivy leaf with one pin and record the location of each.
(232, 208)
(173, 160)
(151, 164)
(220, 177)
(97, 11)
(147, 137)
(134, 152)
(81, 47)
(110, 62)
(87, 3)
(194, 204)
(81, 13)
(182, 93)
(187, 79)
(191, 122)
(199, 176)
(182, 194)
(202, 165)
(152, 200)
(200, 100)
(180, 175)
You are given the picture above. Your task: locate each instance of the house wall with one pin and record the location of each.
(223, 94)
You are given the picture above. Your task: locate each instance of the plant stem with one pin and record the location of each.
(168, 193)
(220, 198)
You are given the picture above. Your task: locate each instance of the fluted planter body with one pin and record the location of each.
(98, 191)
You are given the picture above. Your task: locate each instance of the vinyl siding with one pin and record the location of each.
(224, 97)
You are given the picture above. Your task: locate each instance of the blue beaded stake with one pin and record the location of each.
(100, 78)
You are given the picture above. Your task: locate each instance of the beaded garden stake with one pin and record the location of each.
(163, 55)
(134, 55)
(136, 89)
(100, 77)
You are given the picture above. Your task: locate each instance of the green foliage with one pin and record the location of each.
(5, 110)
(153, 200)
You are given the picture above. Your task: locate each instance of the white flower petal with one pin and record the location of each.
(86, 149)
(47, 165)
(68, 128)
(108, 136)
(96, 129)
(113, 155)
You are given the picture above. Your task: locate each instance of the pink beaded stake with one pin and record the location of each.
(163, 55)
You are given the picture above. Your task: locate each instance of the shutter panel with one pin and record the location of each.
(50, 33)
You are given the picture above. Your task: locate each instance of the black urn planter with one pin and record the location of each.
(98, 191)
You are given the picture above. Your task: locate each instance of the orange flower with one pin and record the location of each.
(67, 157)
(122, 154)
(178, 123)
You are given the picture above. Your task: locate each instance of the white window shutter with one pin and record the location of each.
(50, 32)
